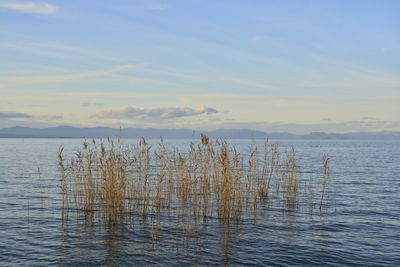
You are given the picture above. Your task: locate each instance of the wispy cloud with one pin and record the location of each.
(13, 115)
(159, 113)
(24, 80)
(29, 7)
(56, 50)
(49, 117)
(88, 104)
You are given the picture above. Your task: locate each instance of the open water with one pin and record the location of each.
(359, 226)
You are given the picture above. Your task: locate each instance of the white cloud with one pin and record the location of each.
(29, 7)
(159, 113)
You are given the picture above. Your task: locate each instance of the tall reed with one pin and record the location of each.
(64, 186)
(108, 181)
(325, 177)
(291, 178)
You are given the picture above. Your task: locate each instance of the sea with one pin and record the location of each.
(359, 224)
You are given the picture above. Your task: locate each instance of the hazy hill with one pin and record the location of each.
(103, 132)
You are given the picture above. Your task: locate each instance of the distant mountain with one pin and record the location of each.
(151, 133)
(94, 132)
(386, 135)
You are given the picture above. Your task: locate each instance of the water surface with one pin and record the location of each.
(359, 226)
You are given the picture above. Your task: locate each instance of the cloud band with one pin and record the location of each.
(158, 113)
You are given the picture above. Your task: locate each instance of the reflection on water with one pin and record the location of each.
(359, 227)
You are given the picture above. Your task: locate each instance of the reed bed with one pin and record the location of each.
(108, 182)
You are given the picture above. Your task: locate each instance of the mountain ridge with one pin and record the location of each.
(64, 131)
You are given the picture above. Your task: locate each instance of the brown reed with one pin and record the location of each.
(108, 181)
(290, 178)
(325, 177)
(64, 186)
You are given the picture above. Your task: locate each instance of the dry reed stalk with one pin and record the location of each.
(253, 175)
(64, 186)
(226, 184)
(171, 179)
(264, 188)
(111, 180)
(273, 166)
(183, 178)
(237, 184)
(162, 165)
(325, 177)
(145, 169)
(205, 173)
(216, 166)
(290, 178)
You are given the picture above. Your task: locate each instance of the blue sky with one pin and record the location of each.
(296, 66)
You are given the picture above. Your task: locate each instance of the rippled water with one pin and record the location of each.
(360, 225)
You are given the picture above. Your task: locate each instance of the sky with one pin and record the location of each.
(294, 66)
